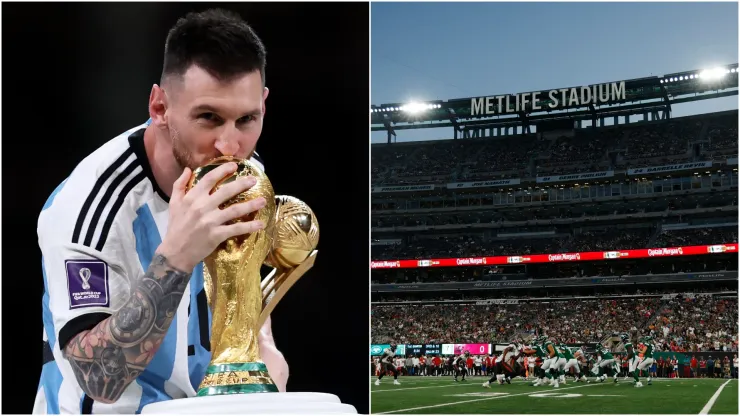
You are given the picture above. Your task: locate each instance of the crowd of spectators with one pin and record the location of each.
(553, 211)
(722, 134)
(611, 239)
(690, 322)
(468, 245)
(636, 145)
(696, 236)
(584, 152)
(661, 140)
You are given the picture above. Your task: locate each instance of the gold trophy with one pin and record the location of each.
(240, 301)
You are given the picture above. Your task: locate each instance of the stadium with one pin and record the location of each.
(581, 220)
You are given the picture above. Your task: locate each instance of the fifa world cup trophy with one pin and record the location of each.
(240, 302)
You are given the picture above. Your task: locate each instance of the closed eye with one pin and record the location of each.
(246, 119)
(208, 117)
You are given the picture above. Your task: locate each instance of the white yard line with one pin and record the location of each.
(415, 388)
(448, 384)
(714, 398)
(569, 380)
(479, 400)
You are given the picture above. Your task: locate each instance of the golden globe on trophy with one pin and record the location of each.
(236, 380)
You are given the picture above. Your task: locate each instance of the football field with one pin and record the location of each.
(440, 395)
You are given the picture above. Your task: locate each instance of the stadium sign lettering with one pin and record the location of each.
(563, 97)
(665, 252)
(385, 264)
(575, 177)
(503, 283)
(668, 168)
(407, 286)
(410, 188)
(498, 302)
(707, 275)
(564, 256)
(471, 261)
(609, 280)
(501, 182)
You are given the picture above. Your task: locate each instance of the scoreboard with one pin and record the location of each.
(415, 349)
(426, 349)
(432, 349)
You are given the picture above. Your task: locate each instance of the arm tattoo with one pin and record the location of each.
(110, 356)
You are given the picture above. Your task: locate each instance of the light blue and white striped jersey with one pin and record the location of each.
(97, 233)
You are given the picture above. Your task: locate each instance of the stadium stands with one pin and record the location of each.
(622, 212)
(652, 143)
(701, 323)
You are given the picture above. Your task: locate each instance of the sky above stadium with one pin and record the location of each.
(440, 51)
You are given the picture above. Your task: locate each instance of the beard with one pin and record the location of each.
(183, 155)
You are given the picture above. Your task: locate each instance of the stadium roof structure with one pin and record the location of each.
(650, 96)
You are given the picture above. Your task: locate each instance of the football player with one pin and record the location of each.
(386, 364)
(459, 364)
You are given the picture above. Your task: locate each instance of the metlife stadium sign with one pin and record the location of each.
(552, 99)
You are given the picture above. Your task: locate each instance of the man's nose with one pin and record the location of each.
(227, 143)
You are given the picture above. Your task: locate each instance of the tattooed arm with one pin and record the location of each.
(107, 358)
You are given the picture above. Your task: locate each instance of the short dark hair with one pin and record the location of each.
(218, 41)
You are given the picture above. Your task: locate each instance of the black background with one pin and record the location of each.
(76, 75)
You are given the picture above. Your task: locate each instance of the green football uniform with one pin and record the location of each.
(606, 354)
(539, 351)
(548, 345)
(648, 350)
(630, 350)
(567, 353)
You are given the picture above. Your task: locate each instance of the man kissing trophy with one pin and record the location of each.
(237, 381)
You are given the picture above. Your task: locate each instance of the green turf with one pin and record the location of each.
(726, 404)
(440, 395)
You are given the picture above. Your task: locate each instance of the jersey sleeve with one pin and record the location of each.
(83, 285)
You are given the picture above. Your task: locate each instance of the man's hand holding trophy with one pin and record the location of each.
(240, 300)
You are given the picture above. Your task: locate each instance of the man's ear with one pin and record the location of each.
(265, 93)
(158, 106)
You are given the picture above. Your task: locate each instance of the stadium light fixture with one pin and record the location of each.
(415, 108)
(712, 74)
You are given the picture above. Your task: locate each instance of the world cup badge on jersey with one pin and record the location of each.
(87, 283)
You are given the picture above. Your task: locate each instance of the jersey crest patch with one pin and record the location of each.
(87, 282)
